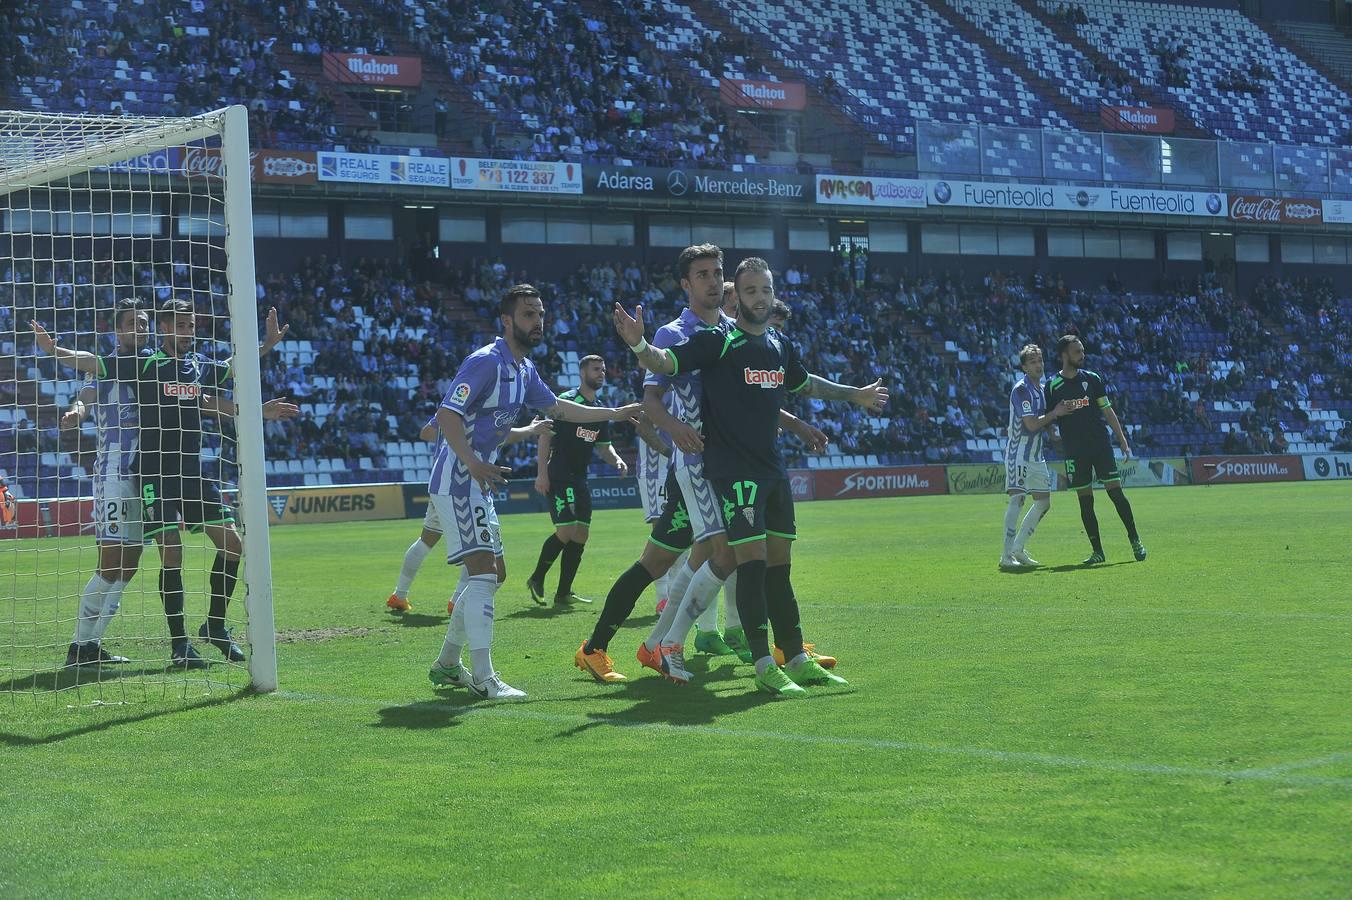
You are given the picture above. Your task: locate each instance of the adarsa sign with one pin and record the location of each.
(1276, 210)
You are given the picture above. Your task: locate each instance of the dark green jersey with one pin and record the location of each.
(571, 450)
(1082, 429)
(168, 393)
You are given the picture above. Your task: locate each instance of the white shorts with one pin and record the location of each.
(432, 521)
(1027, 477)
(652, 485)
(117, 511)
(470, 523)
(701, 502)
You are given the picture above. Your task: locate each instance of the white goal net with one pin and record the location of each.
(134, 556)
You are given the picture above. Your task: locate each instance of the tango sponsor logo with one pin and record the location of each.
(769, 379)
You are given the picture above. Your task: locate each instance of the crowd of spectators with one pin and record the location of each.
(384, 346)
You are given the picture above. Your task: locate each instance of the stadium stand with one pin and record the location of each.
(371, 351)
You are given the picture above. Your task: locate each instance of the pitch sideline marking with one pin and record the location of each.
(1097, 610)
(1278, 774)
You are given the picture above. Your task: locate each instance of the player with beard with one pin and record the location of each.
(492, 386)
(748, 369)
(1025, 468)
(564, 454)
(1088, 454)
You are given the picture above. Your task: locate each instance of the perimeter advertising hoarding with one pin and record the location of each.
(515, 176)
(1276, 210)
(695, 184)
(381, 168)
(1068, 198)
(870, 190)
(349, 503)
(1237, 469)
(1327, 466)
(904, 481)
(1156, 472)
(265, 166)
(518, 496)
(50, 518)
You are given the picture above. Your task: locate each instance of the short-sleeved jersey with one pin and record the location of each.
(570, 451)
(745, 380)
(1026, 399)
(168, 392)
(685, 385)
(117, 427)
(1082, 429)
(489, 392)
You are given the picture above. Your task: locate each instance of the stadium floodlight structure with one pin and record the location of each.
(97, 209)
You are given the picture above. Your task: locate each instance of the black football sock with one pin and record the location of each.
(1119, 499)
(783, 609)
(224, 575)
(1090, 521)
(572, 558)
(752, 607)
(549, 552)
(619, 604)
(171, 592)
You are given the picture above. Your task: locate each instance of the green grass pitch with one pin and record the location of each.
(1178, 727)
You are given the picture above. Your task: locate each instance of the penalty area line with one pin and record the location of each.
(1274, 774)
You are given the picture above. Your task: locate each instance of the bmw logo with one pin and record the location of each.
(942, 192)
(676, 183)
(1213, 204)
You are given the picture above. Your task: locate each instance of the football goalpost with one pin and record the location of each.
(97, 212)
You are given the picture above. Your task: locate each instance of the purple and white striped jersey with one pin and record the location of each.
(686, 386)
(118, 428)
(649, 460)
(1026, 399)
(489, 391)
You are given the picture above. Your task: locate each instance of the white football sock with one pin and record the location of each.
(677, 587)
(477, 601)
(731, 617)
(413, 560)
(661, 584)
(701, 594)
(763, 664)
(708, 620)
(1012, 521)
(112, 602)
(453, 646)
(91, 608)
(1030, 522)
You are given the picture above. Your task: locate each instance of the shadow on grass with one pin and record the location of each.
(10, 739)
(419, 620)
(1079, 567)
(442, 712)
(551, 611)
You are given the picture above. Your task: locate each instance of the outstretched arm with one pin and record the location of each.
(576, 412)
(537, 428)
(82, 360)
(870, 396)
(72, 417)
(1034, 424)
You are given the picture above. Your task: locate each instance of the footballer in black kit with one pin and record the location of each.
(564, 455)
(1088, 454)
(747, 372)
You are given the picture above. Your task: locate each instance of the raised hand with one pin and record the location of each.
(629, 327)
(873, 396)
(45, 340)
(274, 333)
(69, 419)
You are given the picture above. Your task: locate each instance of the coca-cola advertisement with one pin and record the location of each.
(801, 483)
(1276, 210)
(265, 166)
(360, 68)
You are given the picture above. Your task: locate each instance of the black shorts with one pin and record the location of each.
(671, 530)
(195, 500)
(1083, 468)
(569, 501)
(753, 509)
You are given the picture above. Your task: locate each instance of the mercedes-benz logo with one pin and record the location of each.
(676, 183)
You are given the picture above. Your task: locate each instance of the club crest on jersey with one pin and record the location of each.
(766, 378)
(461, 393)
(278, 503)
(749, 514)
(588, 434)
(1084, 385)
(182, 391)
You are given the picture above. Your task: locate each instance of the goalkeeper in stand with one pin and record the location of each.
(171, 388)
